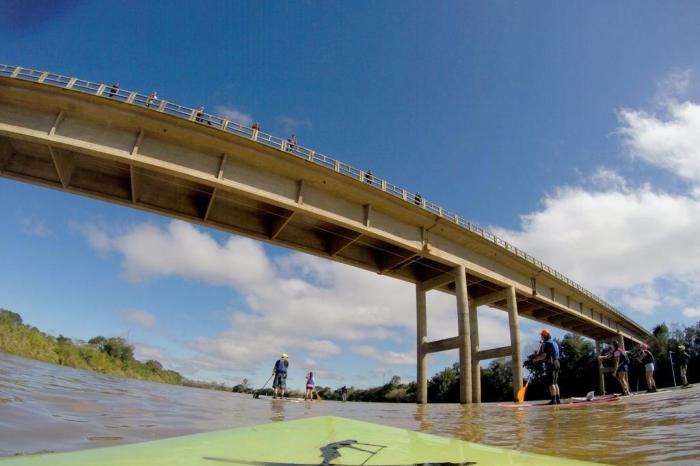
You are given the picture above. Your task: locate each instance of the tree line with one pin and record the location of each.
(579, 366)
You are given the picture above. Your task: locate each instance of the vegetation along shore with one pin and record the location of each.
(579, 370)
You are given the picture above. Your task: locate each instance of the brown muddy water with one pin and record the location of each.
(44, 407)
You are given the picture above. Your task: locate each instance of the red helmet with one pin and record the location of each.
(545, 333)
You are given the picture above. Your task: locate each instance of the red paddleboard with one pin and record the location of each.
(568, 404)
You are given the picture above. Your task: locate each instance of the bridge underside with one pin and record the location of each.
(176, 197)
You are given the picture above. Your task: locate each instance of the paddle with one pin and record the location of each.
(256, 393)
(521, 393)
(673, 372)
(520, 396)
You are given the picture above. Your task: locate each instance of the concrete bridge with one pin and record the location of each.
(123, 147)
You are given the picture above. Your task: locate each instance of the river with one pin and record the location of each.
(45, 407)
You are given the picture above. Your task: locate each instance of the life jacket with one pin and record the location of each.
(555, 354)
(624, 359)
(280, 366)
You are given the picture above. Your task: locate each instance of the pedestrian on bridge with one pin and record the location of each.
(151, 98)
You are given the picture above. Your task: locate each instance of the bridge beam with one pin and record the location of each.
(64, 164)
(279, 222)
(493, 353)
(490, 298)
(439, 281)
(210, 204)
(338, 243)
(445, 344)
(395, 261)
(5, 153)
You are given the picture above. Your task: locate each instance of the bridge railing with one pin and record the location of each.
(113, 92)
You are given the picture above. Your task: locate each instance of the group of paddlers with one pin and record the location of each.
(549, 353)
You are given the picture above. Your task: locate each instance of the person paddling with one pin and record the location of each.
(683, 360)
(310, 385)
(647, 359)
(621, 366)
(549, 354)
(280, 372)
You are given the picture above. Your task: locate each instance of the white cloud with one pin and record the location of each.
(291, 124)
(387, 357)
(691, 312)
(144, 352)
(136, 316)
(233, 114)
(296, 303)
(34, 227)
(671, 141)
(619, 239)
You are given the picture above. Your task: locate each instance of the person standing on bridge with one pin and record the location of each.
(647, 359)
(292, 142)
(622, 363)
(279, 384)
(151, 98)
(549, 354)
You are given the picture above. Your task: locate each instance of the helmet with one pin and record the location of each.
(681, 347)
(545, 333)
(643, 346)
(284, 355)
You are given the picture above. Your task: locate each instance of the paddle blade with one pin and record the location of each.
(521, 394)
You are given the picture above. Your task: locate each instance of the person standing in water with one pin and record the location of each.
(279, 370)
(683, 360)
(647, 359)
(549, 354)
(621, 366)
(310, 385)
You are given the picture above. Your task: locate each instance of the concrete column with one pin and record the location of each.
(476, 368)
(601, 374)
(465, 350)
(421, 338)
(516, 361)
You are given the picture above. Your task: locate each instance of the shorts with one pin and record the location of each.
(309, 386)
(553, 372)
(649, 367)
(280, 380)
(621, 368)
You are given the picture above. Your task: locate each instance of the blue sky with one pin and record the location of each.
(571, 129)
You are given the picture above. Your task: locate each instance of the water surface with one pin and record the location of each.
(45, 407)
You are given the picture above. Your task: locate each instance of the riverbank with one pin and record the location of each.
(106, 355)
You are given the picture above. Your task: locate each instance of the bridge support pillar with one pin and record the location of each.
(464, 336)
(476, 367)
(421, 340)
(516, 360)
(601, 373)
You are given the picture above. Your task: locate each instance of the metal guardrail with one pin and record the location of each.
(113, 92)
